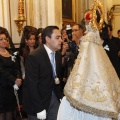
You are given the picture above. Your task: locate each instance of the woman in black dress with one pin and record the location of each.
(9, 76)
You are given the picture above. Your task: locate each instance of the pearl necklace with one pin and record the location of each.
(4, 52)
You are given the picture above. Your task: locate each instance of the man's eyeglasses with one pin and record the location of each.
(1, 39)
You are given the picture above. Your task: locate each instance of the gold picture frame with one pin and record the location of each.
(68, 11)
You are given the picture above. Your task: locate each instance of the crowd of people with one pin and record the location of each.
(67, 74)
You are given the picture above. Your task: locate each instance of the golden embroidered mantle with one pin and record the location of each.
(93, 85)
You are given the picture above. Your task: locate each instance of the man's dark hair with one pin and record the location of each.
(110, 27)
(48, 32)
(118, 31)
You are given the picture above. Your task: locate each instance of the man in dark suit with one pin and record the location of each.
(41, 90)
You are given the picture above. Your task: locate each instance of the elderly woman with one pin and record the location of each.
(9, 78)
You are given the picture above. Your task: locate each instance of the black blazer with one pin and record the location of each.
(39, 82)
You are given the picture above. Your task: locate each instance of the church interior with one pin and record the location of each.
(17, 16)
(41, 13)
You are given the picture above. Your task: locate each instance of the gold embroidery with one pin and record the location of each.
(96, 91)
(96, 95)
(92, 38)
(92, 98)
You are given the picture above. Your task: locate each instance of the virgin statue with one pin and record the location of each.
(92, 91)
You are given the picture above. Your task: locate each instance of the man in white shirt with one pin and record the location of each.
(41, 90)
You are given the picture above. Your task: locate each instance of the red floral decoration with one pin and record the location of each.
(88, 16)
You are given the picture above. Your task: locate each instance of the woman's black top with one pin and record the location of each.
(8, 73)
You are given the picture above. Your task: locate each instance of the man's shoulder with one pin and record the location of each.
(36, 55)
(37, 51)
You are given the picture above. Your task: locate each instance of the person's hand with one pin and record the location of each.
(18, 82)
(41, 115)
(64, 47)
(65, 37)
(15, 87)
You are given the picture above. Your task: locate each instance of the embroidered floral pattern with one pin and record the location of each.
(92, 37)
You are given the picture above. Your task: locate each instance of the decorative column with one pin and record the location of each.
(21, 18)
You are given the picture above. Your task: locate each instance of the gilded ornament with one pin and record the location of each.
(91, 15)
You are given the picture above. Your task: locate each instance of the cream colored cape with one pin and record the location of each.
(93, 85)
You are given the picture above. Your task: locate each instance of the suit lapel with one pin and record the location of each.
(46, 58)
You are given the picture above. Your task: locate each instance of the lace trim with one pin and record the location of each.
(88, 109)
(93, 39)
